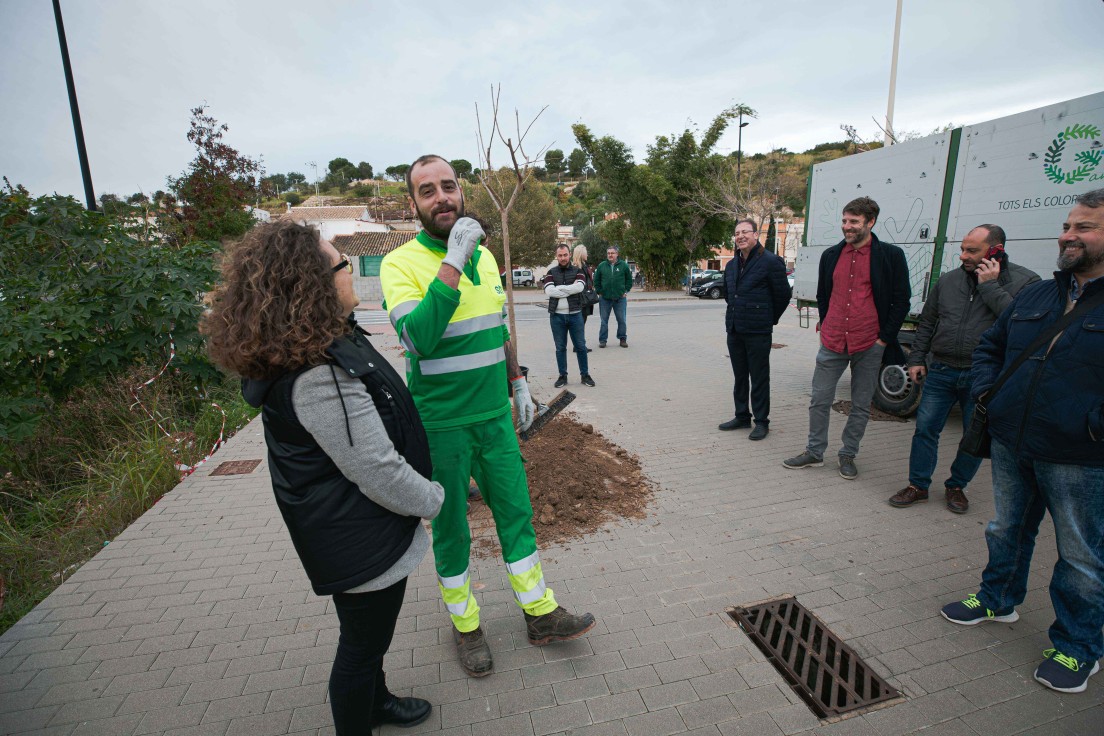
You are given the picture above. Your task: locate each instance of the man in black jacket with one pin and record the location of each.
(863, 297)
(757, 294)
(564, 286)
(962, 305)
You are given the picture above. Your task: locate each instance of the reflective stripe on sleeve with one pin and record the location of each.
(459, 363)
(475, 324)
(401, 310)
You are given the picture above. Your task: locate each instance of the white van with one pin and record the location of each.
(523, 277)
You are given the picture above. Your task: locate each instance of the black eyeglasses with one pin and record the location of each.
(344, 263)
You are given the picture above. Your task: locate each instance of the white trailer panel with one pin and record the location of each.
(1022, 172)
(906, 180)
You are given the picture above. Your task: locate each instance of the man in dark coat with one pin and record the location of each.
(962, 305)
(863, 294)
(757, 293)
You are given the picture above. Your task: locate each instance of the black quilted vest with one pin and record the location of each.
(343, 538)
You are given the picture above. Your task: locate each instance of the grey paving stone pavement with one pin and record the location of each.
(198, 619)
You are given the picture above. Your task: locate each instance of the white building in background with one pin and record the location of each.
(367, 249)
(334, 221)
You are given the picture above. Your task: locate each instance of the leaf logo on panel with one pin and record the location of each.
(1083, 163)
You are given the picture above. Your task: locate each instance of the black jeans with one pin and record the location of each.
(750, 356)
(357, 683)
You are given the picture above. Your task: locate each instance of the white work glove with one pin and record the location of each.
(523, 402)
(462, 242)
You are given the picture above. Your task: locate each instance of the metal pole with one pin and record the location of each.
(893, 76)
(739, 150)
(82, 154)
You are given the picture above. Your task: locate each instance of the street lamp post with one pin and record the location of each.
(739, 149)
(78, 129)
(890, 138)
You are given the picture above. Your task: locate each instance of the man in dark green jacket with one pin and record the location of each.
(612, 280)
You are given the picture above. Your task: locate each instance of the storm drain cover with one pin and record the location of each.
(236, 467)
(831, 678)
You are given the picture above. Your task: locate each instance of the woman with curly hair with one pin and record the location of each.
(348, 455)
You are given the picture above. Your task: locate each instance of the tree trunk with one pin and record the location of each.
(509, 266)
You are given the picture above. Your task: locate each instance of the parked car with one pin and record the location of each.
(712, 288)
(702, 276)
(523, 277)
(698, 275)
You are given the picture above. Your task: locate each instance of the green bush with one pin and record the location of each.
(293, 198)
(93, 466)
(81, 299)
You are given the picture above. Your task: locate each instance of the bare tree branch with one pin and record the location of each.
(520, 165)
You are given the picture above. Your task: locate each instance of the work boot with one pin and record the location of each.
(474, 654)
(557, 625)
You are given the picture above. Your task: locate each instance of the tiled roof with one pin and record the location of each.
(318, 214)
(370, 244)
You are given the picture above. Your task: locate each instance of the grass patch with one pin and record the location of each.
(94, 466)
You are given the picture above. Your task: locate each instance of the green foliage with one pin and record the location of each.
(462, 167)
(771, 243)
(82, 298)
(593, 237)
(532, 220)
(397, 172)
(554, 162)
(364, 170)
(216, 187)
(293, 198)
(340, 164)
(92, 467)
(577, 163)
(663, 232)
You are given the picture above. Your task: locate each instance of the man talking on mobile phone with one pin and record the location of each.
(963, 305)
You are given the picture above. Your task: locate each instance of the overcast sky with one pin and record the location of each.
(384, 82)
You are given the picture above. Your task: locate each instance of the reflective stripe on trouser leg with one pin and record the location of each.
(461, 605)
(451, 453)
(527, 581)
(501, 475)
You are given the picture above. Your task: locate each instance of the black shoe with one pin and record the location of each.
(403, 712)
(561, 382)
(587, 380)
(601, 344)
(589, 350)
(759, 432)
(734, 424)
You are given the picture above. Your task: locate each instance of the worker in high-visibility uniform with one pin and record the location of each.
(444, 297)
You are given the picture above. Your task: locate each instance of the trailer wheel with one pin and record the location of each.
(896, 393)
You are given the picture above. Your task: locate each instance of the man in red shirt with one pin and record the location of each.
(863, 297)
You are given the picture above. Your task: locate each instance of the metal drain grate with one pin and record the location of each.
(829, 676)
(236, 467)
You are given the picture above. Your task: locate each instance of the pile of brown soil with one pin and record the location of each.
(578, 481)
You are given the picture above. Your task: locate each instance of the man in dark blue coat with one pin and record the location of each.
(757, 293)
(1047, 427)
